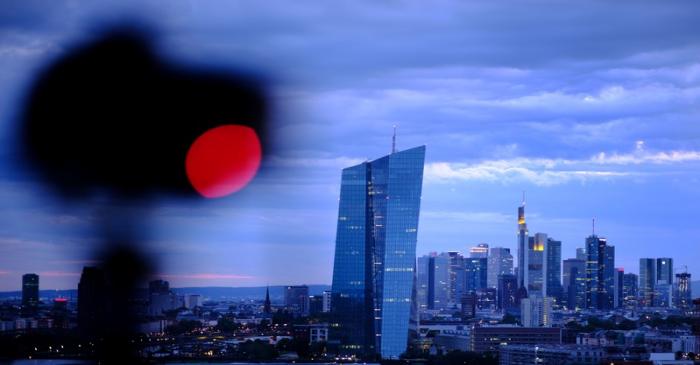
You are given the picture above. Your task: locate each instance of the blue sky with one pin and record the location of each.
(591, 108)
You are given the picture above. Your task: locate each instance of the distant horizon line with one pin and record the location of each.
(184, 287)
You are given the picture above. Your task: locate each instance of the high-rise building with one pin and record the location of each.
(326, 301)
(619, 287)
(609, 273)
(523, 243)
(663, 294)
(664, 270)
(553, 269)
(581, 254)
(315, 304)
(296, 297)
(507, 293)
(433, 281)
(575, 283)
(683, 295)
(476, 274)
(30, 294)
(500, 262)
(375, 255)
(629, 289)
(469, 305)
(161, 299)
(536, 280)
(93, 304)
(536, 311)
(600, 278)
(647, 281)
(664, 282)
(480, 251)
(457, 276)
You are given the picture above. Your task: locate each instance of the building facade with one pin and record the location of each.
(500, 262)
(600, 273)
(375, 255)
(574, 283)
(647, 281)
(553, 269)
(30, 294)
(507, 300)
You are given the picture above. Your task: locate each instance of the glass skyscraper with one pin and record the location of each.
(647, 281)
(600, 273)
(375, 255)
(553, 269)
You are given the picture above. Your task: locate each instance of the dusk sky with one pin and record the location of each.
(590, 107)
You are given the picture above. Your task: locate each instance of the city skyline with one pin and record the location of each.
(588, 127)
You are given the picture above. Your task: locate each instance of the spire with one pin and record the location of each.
(523, 198)
(593, 226)
(268, 306)
(393, 141)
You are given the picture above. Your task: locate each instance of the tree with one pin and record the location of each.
(227, 324)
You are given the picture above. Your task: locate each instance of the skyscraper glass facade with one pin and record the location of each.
(553, 269)
(600, 273)
(500, 262)
(375, 258)
(647, 281)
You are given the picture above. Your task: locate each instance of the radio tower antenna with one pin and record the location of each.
(393, 141)
(593, 226)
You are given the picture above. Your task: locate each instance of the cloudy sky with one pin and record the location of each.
(591, 108)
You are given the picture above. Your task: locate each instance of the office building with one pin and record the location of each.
(326, 301)
(552, 269)
(469, 305)
(480, 251)
(683, 296)
(600, 278)
(536, 311)
(523, 244)
(609, 273)
(550, 355)
(618, 297)
(581, 254)
(629, 288)
(296, 298)
(536, 280)
(507, 290)
(457, 277)
(161, 299)
(574, 283)
(476, 274)
(663, 294)
(664, 282)
(489, 339)
(315, 304)
(375, 255)
(500, 262)
(647, 281)
(30, 294)
(93, 304)
(433, 281)
(664, 270)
